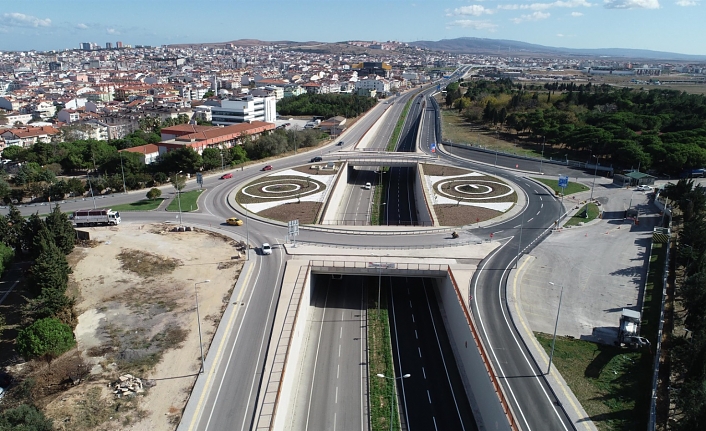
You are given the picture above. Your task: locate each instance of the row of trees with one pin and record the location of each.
(660, 129)
(48, 317)
(326, 105)
(688, 356)
(37, 177)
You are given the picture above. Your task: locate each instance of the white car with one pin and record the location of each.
(644, 188)
(266, 248)
(368, 186)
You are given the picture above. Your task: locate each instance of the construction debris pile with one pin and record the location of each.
(129, 386)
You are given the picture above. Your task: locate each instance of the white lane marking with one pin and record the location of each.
(434, 419)
(413, 318)
(230, 355)
(537, 213)
(530, 220)
(334, 421)
(424, 373)
(336, 401)
(420, 352)
(516, 226)
(443, 360)
(340, 333)
(415, 334)
(341, 317)
(316, 359)
(338, 370)
(410, 304)
(429, 396)
(541, 206)
(540, 198)
(339, 350)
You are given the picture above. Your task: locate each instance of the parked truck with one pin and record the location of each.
(629, 331)
(96, 217)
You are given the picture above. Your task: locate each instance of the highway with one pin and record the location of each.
(333, 382)
(235, 383)
(433, 397)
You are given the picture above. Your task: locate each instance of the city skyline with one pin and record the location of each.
(659, 25)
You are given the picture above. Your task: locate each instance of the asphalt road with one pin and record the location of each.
(336, 396)
(433, 397)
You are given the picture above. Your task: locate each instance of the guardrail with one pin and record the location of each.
(393, 247)
(484, 356)
(652, 422)
(378, 265)
(367, 223)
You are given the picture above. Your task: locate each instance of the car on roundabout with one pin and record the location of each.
(316, 159)
(266, 248)
(234, 221)
(267, 168)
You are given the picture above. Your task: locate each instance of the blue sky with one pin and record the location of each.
(661, 25)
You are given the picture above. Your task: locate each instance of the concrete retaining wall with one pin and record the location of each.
(335, 196)
(369, 134)
(292, 372)
(421, 197)
(489, 410)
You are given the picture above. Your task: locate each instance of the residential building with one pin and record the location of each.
(28, 136)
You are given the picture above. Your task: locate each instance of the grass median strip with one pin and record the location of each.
(143, 205)
(380, 361)
(392, 144)
(568, 190)
(591, 210)
(188, 201)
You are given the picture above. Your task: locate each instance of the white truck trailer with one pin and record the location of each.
(96, 217)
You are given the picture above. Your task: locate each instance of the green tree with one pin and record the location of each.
(11, 228)
(208, 94)
(184, 159)
(76, 186)
(24, 418)
(15, 153)
(50, 269)
(154, 193)
(238, 155)
(46, 338)
(7, 253)
(5, 191)
(62, 230)
(211, 158)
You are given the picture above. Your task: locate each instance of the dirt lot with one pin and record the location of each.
(137, 315)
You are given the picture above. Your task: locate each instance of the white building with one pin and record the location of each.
(380, 85)
(243, 110)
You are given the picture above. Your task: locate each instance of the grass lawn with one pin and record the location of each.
(593, 212)
(392, 143)
(143, 205)
(609, 382)
(188, 201)
(568, 190)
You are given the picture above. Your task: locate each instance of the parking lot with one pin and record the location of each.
(601, 267)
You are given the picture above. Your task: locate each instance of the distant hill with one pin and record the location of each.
(475, 45)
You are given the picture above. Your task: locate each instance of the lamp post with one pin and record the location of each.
(556, 324)
(198, 319)
(544, 139)
(178, 187)
(595, 172)
(90, 187)
(392, 393)
(123, 171)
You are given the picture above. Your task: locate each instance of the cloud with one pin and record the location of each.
(631, 4)
(559, 35)
(81, 26)
(474, 24)
(576, 14)
(534, 16)
(111, 31)
(687, 2)
(473, 10)
(545, 6)
(14, 19)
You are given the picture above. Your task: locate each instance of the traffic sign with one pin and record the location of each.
(433, 147)
(563, 181)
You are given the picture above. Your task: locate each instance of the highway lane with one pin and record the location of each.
(433, 397)
(336, 396)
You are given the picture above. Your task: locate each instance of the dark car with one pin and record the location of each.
(267, 168)
(316, 159)
(340, 143)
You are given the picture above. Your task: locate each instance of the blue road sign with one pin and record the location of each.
(563, 181)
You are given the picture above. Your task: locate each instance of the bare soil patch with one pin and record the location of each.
(461, 215)
(135, 290)
(443, 171)
(305, 212)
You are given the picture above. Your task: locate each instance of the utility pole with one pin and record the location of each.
(123, 171)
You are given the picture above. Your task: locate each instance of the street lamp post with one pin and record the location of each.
(176, 180)
(392, 393)
(556, 324)
(198, 320)
(123, 172)
(595, 172)
(544, 139)
(90, 187)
